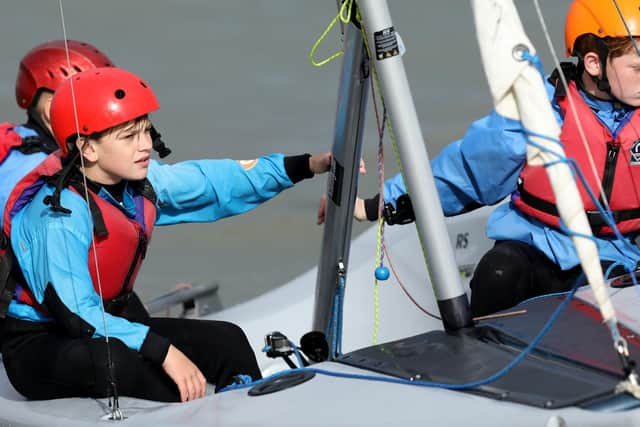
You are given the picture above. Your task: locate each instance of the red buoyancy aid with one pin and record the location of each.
(120, 252)
(120, 246)
(10, 139)
(17, 190)
(121, 242)
(617, 162)
(26, 188)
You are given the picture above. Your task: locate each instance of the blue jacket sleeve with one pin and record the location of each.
(207, 190)
(52, 250)
(481, 168)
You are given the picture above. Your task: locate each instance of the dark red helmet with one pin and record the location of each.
(102, 98)
(45, 67)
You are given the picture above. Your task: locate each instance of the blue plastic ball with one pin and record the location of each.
(382, 273)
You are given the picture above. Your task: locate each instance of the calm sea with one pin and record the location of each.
(234, 80)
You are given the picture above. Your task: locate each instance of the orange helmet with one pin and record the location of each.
(602, 19)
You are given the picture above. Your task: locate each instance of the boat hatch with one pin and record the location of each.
(574, 364)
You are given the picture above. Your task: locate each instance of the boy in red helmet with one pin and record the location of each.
(82, 237)
(24, 147)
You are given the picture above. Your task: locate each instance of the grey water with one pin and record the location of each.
(234, 81)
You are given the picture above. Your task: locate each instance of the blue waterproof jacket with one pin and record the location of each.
(483, 168)
(52, 248)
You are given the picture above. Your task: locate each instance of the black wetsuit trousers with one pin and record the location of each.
(513, 271)
(43, 363)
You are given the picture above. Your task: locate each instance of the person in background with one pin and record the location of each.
(40, 71)
(23, 147)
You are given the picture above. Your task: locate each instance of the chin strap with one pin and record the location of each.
(60, 181)
(602, 83)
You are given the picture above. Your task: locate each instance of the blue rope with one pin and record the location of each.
(334, 329)
(242, 381)
(611, 267)
(329, 334)
(296, 351)
(340, 314)
(534, 60)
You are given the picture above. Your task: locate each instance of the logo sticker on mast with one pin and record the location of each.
(386, 43)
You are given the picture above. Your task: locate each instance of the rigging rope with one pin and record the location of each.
(380, 235)
(116, 413)
(626, 26)
(347, 7)
(380, 269)
(405, 290)
(335, 326)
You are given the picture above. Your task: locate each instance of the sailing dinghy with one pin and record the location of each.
(557, 364)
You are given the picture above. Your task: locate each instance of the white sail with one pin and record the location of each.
(518, 93)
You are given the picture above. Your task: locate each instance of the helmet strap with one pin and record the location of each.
(158, 144)
(60, 181)
(602, 83)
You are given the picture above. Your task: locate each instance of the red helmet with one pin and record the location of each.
(45, 67)
(104, 98)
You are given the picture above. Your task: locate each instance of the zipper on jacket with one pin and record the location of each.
(610, 169)
(141, 252)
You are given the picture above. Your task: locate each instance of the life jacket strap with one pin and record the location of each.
(7, 280)
(595, 218)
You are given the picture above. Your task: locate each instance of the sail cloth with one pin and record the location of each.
(518, 93)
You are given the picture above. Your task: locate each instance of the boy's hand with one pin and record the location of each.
(190, 381)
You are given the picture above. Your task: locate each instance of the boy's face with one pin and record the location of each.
(122, 154)
(623, 73)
